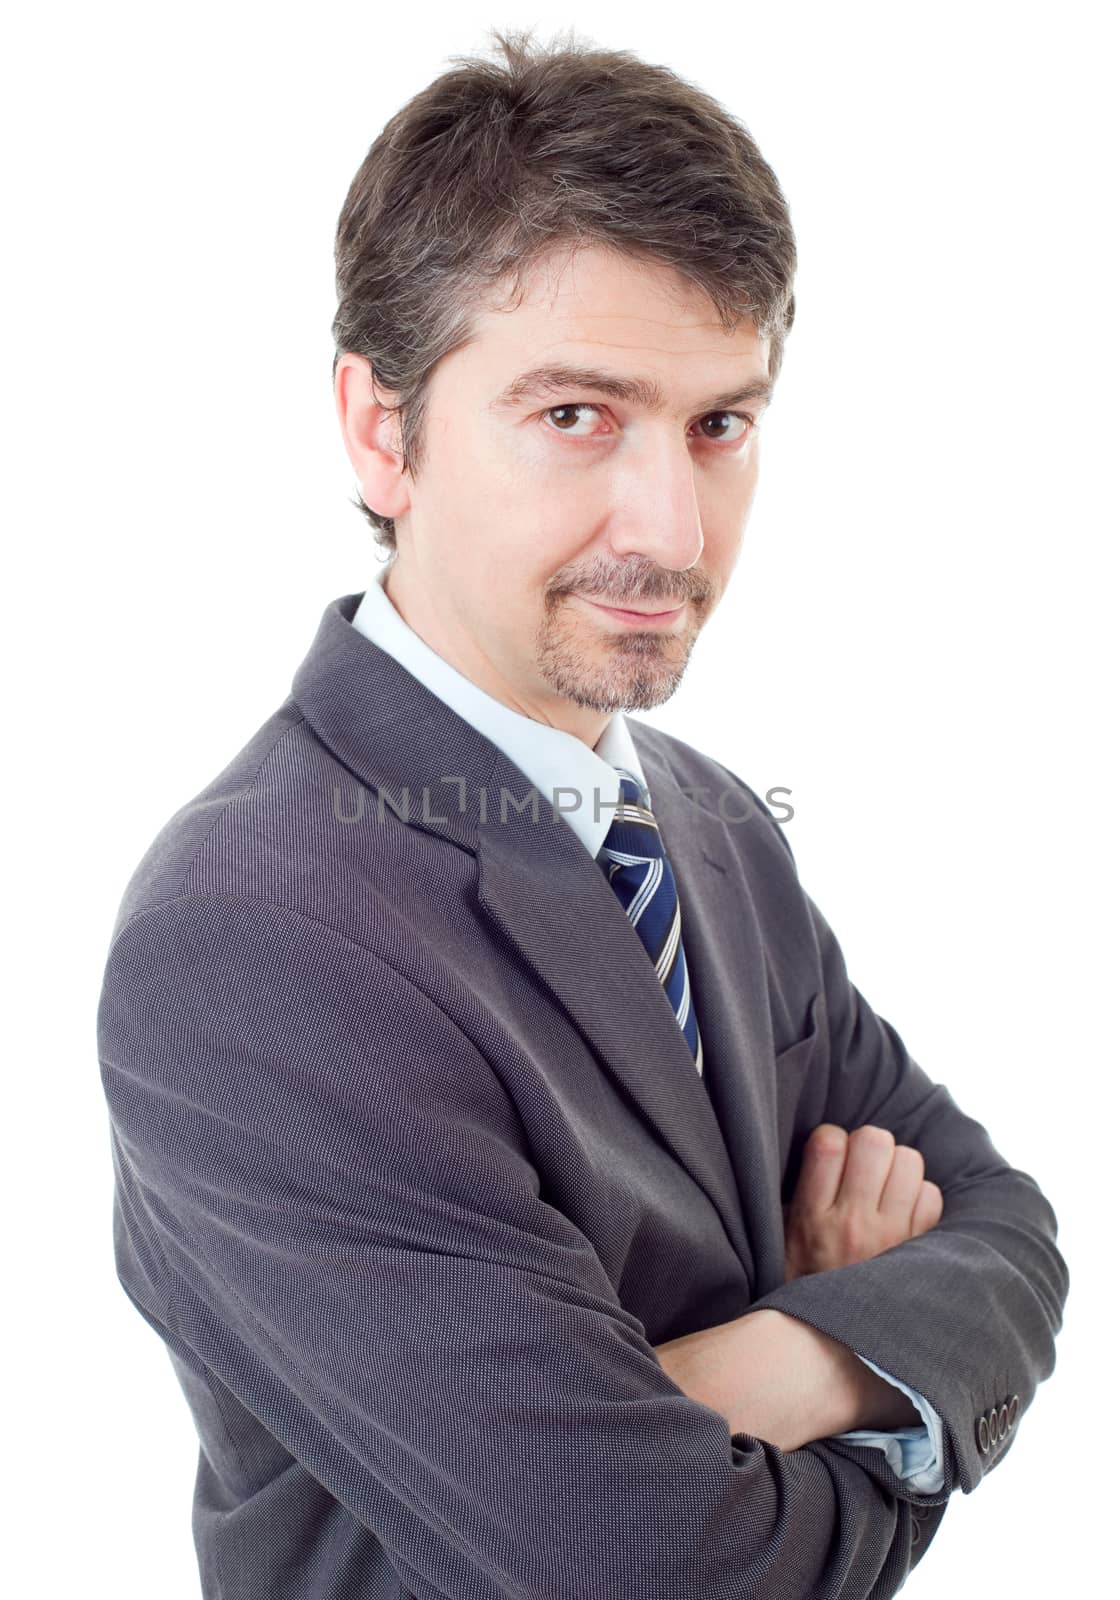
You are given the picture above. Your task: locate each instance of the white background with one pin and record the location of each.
(916, 642)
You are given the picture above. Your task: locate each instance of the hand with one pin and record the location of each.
(857, 1195)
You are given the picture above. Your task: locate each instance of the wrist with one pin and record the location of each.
(825, 1380)
(840, 1392)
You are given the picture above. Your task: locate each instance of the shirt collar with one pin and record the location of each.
(565, 770)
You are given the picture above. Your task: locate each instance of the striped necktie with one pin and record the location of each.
(633, 857)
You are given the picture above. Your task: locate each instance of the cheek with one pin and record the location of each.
(550, 473)
(531, 526)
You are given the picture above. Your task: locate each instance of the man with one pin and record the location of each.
(528, 1200)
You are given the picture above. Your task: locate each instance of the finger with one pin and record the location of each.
(927, 1208)
(900, 1192)
(870, 1153)
(822, 1162)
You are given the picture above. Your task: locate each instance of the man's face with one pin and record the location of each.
(532, 511)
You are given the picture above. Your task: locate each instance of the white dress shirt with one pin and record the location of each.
(569, 773)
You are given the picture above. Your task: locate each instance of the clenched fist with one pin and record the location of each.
(857, 1195)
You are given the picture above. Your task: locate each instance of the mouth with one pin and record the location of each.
(635, 619)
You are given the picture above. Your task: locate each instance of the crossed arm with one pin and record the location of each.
(781, 1379)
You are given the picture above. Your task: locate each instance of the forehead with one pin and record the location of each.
(594, 309)
(596, 280)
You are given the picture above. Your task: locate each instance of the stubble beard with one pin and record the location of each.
(624, 671)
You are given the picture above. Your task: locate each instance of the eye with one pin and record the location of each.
(555, 411)
(747, 422)
(736, 416)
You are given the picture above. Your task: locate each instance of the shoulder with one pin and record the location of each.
(279, 823)
(163, 870)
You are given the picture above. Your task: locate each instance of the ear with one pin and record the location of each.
(371, 434)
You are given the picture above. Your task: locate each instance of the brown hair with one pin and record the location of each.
(495, 164)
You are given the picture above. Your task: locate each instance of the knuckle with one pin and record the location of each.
(828, 1139)
(871, 1134)
(851, 1234)
(909, 1160)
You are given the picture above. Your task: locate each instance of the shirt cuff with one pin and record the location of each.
(916, 1454)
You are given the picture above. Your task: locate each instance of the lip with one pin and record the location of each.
(637, 619)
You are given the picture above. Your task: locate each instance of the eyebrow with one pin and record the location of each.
(541, 382)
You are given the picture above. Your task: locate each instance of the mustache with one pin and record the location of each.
(658, 604)
(646, 594)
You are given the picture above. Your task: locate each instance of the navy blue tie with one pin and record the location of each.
(633, 857)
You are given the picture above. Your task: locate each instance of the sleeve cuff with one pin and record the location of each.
(915, 1454)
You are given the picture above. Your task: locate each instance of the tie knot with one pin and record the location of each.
(633, 828)
(632, 791)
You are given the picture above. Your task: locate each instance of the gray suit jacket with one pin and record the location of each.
(413, 1167)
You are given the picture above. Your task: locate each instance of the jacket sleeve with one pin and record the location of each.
(967, 1313)
(336, 1209)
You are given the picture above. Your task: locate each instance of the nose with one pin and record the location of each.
(656, 513)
